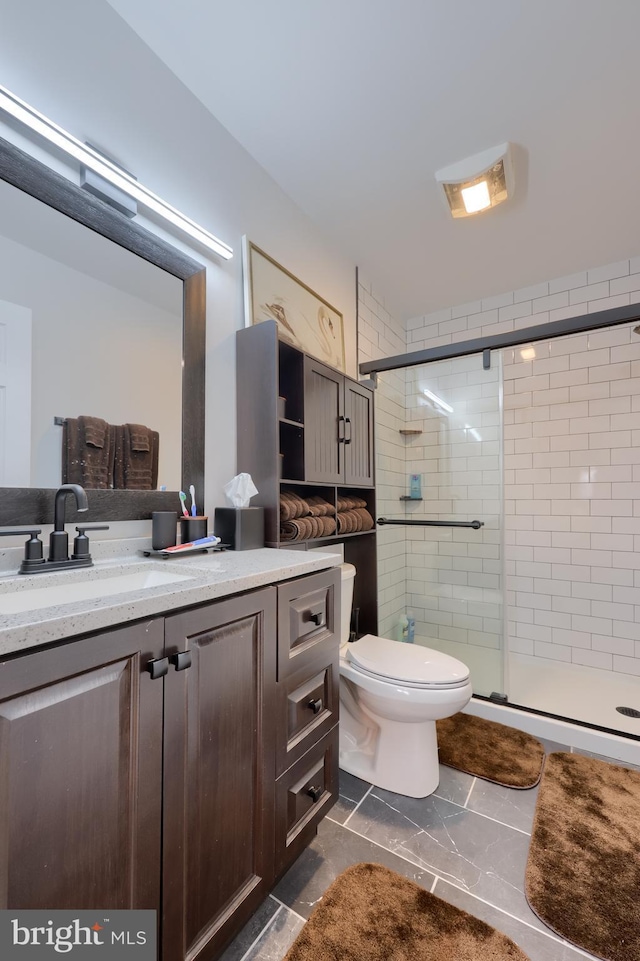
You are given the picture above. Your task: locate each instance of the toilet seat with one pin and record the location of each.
(405, 664)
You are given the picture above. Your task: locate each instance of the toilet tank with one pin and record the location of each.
(348, 573)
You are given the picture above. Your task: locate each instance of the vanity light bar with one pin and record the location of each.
(104, 168)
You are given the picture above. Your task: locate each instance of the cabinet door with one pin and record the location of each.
(324, 423)
(358, 444)
(81, 774)
(219, 772)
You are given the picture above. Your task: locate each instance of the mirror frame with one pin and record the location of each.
(34, 506)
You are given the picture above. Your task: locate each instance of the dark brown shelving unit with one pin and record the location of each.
(307, 428)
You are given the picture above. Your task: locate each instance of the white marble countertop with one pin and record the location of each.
(206, 577)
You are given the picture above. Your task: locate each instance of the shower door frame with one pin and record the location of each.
(583, 323)
(554, 328)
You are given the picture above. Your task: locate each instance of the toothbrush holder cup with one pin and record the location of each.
(192, 528)
(164, 529)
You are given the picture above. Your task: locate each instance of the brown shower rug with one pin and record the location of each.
(583, 871)
(370, 913)
(489, 750)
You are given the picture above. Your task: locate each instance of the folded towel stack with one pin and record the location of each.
(353, 515)
(303, 518)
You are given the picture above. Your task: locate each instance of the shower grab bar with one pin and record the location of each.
(475, 524)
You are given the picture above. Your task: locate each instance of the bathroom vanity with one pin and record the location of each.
(170, 747)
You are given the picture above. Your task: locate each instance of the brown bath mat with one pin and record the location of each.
(373, 914)
(583, 871)
(489, 750)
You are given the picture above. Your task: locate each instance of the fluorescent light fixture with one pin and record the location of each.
(438, 400)
(104, 168)
(479, 182)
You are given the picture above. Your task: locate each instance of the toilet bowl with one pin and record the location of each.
(391, 695)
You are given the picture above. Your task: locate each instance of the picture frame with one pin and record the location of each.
(304, 318)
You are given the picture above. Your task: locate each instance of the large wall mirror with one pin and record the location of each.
(100, 319)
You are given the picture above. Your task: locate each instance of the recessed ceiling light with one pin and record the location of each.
(479, 182)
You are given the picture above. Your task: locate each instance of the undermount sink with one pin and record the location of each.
(99, 585)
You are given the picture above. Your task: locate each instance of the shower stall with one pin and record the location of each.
(508, 492)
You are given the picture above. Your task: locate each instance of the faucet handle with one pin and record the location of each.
(33, 554)
(81, 542)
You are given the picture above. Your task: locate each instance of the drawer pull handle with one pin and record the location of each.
(316, 618)
(315, 793)
(158, 667)
(316, 705)
(181, 661)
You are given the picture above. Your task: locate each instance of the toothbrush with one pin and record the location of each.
(183, 498)
(192, 491)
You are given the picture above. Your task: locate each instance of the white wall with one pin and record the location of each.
(81, 65)
(380, 335)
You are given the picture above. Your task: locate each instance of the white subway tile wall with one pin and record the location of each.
(571, 478)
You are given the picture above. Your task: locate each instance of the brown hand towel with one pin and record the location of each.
(366, 520)
(139, 437)
(135, 469)
(88, 451)
(319, 507)
(95, 430)
(328, 525)
(299, 529)
(345, 522)
(292, 506)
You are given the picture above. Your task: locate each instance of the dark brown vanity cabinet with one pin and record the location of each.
(154, 765)
(218, 772)
(81, 773)
(307, 710)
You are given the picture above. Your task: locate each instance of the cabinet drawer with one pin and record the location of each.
(308, 619)
(307, 710)
(304, 794)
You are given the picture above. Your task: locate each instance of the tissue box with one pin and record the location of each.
(241, 528)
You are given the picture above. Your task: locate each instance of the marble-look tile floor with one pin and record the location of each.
(467, 843)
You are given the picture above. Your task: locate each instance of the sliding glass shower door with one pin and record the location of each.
(440, 501)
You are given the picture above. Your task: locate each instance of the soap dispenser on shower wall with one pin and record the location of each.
(415, 486)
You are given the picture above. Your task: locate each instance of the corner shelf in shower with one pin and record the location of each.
(407, 497)
(408, 432)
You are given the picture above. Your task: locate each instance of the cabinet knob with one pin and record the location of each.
(315, 793)
(315, 705)
(347, 440)
(158, 667)
(316, 617)
(181, 661)
(341, 431)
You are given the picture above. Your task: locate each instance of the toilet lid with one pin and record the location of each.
(411, 664)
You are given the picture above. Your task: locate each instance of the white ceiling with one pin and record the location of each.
(351, 105)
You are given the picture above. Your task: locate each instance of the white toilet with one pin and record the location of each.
(391, 695)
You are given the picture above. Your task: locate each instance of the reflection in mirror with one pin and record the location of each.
(93, 355)
(90, 330)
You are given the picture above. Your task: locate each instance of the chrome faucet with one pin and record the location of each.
(59, 539)
(34, 562)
